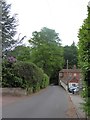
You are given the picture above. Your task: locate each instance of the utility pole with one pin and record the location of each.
(67, 71)
(67, 64)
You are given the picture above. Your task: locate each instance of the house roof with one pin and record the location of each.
(70, 70)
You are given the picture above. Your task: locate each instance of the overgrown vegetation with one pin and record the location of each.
(23, 74)
(84, 61)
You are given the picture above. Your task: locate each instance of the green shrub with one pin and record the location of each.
(28, 71)
(25, 75)
(84, 94)
(36, 87)
(8, 77)
(86, 106)
(45, 81)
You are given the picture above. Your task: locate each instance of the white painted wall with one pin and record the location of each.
(64, 85)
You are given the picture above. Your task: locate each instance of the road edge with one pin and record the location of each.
(76, 109)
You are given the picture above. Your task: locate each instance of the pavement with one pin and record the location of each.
(77, 102)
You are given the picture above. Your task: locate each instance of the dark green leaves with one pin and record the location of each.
(46, 50)
(70, 54)
(9, 24)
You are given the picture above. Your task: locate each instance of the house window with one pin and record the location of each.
(74, 85)
(61, 74)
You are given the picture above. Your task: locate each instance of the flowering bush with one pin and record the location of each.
(23, 74)
(11, 59)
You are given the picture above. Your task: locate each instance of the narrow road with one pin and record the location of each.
(50, 103)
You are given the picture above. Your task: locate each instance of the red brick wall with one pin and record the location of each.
(77, 74)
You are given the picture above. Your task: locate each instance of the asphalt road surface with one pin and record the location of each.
(50, 103)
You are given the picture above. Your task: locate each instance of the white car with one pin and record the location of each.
(74, 89)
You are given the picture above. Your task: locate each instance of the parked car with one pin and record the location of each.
(73, 89)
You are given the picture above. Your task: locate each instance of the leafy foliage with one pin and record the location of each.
(84, 61)
(23, 74)
(8, 77)
(9, 24)
(70, 54)
(21, 53)
(46, 51)
(83, 46)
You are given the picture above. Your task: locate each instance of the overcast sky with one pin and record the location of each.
(64, 16)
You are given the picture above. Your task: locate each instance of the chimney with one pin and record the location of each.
(74, 67)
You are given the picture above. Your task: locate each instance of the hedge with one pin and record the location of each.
(25, 75)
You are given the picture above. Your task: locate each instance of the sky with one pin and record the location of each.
(64, 16)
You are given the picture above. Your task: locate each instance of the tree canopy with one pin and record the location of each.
(47, 52)
(70, 54)
(9, 24)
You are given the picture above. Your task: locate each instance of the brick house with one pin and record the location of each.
(70, 77)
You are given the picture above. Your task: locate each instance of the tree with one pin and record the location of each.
(47, 51)
(9, 24)
(21, 53)
(70, 54)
